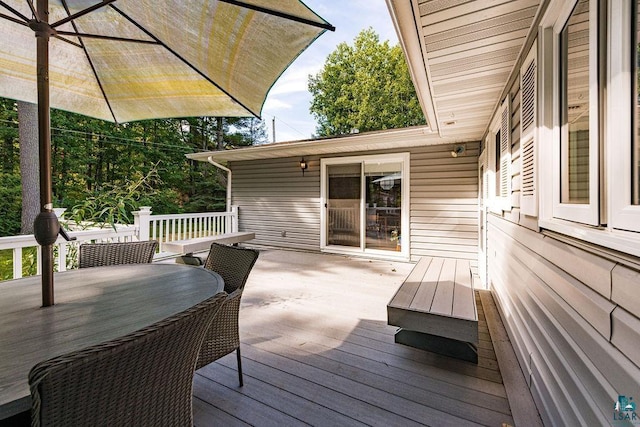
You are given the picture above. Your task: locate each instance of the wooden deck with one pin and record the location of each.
(317, 351)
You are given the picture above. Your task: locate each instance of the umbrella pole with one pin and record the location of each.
(44, 134)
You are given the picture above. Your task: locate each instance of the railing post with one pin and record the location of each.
(141, 220)
(234, 218)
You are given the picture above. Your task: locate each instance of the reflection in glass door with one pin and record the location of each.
(343, 204)
(383, 183)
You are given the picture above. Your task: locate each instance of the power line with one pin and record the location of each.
(287, 125)
(106, 137)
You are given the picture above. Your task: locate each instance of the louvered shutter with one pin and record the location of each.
(528, 79)
(505, 155)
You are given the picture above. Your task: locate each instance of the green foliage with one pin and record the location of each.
(10, 194)
(111, 204)
(94, 163)
(366, 87)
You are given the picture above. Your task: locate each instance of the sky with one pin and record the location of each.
(289, 99)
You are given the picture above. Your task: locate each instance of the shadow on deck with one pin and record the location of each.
(317, 351)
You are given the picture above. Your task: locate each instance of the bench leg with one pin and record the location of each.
(441, 345)
(189, 259)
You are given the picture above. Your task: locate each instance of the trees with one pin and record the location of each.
(95, 162)
(366, 87)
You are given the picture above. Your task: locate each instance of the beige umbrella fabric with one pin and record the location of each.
(176, 58)
(124, 60)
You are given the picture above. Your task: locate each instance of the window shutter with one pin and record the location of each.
(505, 155)
(528, 195)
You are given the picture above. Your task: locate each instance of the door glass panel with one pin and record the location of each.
(343, 226)
(383, 205)
(575, 53)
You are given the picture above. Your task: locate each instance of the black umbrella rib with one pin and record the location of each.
(81, 13)
(187, 63)
(279, 14)
(93, 68)
(101, 37)
(13, 19)
(15, 12)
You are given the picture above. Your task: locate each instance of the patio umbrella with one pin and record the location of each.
(130, 60)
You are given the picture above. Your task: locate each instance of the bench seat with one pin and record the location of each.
(435, 307)
(199, 244)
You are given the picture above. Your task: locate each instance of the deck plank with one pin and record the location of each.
(426, 292)
(317, 351)
(443, 298)
(464, 302)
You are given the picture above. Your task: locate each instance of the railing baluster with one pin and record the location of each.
(17, 263)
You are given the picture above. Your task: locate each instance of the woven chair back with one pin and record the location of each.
(232, 263)
(144, 378)
(102, 254)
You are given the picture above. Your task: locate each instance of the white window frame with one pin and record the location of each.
(404, 253)
(588, 213)
(622, 214)
(615, 198)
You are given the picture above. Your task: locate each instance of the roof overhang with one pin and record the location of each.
(462, 56)
(367, 141)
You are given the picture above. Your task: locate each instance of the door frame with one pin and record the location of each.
(404, 159)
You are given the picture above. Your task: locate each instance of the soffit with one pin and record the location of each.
(461, 55)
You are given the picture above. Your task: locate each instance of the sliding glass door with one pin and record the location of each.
(365, 204)
(343, 224)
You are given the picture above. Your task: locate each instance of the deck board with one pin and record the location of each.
(317, 351)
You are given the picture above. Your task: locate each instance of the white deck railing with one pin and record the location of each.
(167, 228)
(25, 248)
(163, 228)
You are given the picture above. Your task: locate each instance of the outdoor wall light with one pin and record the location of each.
(303, 165)
(457, 150)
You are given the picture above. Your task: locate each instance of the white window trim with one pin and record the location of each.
(405, 253)
(623, 241)
(582, 213)
(622, 214)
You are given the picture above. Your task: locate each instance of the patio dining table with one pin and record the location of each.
(93, 305)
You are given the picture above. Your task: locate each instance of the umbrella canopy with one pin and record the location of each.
(130, 60)
(140, 59)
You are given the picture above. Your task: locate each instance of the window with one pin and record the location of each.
(589, 113)
(635, 153)
(576, 173)
(624, 156)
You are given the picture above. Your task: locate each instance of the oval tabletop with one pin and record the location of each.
(92, 305)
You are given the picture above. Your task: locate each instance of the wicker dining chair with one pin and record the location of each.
(101, 254)
(234, 265)
(144, 378)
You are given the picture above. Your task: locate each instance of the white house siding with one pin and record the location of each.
(283, 208)
(277, 203)
(572, 313)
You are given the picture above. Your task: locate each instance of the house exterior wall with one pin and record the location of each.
(283, 207)
(571, 307)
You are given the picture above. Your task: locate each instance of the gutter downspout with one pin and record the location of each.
(218, 165)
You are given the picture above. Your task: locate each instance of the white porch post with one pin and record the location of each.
(142, 219)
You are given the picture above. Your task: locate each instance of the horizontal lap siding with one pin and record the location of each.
(564, 309)
(274, 198)
(444, 203)
(277, 203)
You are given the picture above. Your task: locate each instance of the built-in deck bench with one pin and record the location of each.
(187, 247)
(435, 307)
